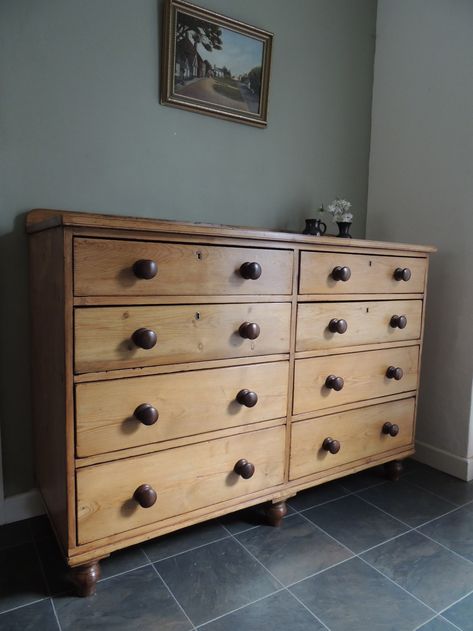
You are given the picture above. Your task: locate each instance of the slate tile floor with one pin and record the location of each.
(358, 554)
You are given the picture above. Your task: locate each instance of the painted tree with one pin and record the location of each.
(205, 33)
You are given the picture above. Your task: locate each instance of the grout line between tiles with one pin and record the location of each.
(204, 624)
(425, 622)
(171, 556)
(55, 614)
(132, 569)
(455, 602)
(276, 579)
(455, 626)
(172, 595)
(385, 512)
(445, 547)
(33, 602)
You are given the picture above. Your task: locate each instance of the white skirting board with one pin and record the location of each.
(21, 506)
(444, 461)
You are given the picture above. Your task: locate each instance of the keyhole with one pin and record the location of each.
(199, 255)
(370, 263)
(197, 316)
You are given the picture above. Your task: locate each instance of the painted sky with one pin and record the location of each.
(239, 53)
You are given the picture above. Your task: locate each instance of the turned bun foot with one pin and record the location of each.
(275, 513)
(85, 578)
(393, 470)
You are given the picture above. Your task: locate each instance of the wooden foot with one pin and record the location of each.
(275, 513)
(85, 578)
(393, 470)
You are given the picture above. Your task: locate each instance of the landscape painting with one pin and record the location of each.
(216, 65)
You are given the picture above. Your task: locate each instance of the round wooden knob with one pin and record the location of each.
(249, 330)
(334, 383)
(244, 468)
(146, 414)
(337, 326)
(402, 273)
(145, 495)
(341, 273)
(394, 373)
(398, 322)
(331, 445)
(145, 268)
(248, 398)
(390, 428)
(144, 338)
(251, 271)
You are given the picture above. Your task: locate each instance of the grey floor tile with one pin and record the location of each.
(452, 489)
(352, 596)
(355, 523)
(15, 534)
(21, 580)
(36, 617)
(280, 612)
(437, 624)
(317, 495)
(122, 561)
(363, 479)
(295, 550)
(55, 569)
(247, 518)
(407, 502)
(134, 601)
(215, 579)
(454, 530)
(461, 614)
(429, 571)
(182, 540)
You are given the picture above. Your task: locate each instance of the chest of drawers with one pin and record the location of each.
(184, 371)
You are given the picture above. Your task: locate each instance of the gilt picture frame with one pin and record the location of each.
(214, 65)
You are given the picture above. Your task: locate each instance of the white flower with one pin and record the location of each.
(340, 210)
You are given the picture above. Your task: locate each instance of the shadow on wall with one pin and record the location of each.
(15, 408)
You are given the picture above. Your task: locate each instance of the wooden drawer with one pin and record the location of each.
(184, 478)
(359, 432)
(187, 333)
(367, 323)
(188, 403)
(105, 268)
(364, 376)
(370, 274)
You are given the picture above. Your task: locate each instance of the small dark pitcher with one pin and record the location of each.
(315, 227)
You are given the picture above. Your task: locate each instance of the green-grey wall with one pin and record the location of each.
(81, 128)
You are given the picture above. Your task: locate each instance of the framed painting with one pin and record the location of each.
(215, 65)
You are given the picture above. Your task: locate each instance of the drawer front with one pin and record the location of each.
(359, 432)
(370, 274)
(186, 403)
(366, 323)
(107, 268)
(184, 478)
(104, 335)
(364, 377)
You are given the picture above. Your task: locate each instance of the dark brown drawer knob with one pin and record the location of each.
(331, 445)
(248, 398)
(398, 322)
(391, 428)
(144, 338)
(341, 273)
(251, 271)
(145, 268)
(244, 468)
(146, 414)
(394, 373)
(402, 273)
(337, 326)
(334, 383)
(249, 330)
(145, 495)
